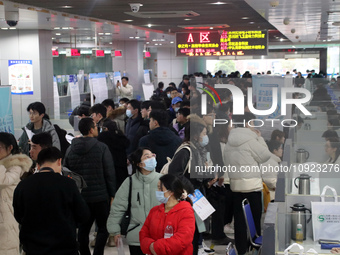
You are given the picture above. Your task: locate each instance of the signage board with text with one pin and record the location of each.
(227, 43)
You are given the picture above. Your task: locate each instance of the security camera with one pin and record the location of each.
(135, 7)
(12, 18)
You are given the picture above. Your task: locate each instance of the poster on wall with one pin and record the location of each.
(56, 99)
(148, 91)
(147, 76)
(98, 86)
(6, 113)
(74, 91)
(20, 76)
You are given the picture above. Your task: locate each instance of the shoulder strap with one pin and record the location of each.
(130, 191)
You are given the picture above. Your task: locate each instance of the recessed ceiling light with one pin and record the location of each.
(293, 46)
(211, 28)
(53, 38)
(88, 38)
(187, 19)
(57, 28)
(107, 33)
(281, 40)
(12, 28)
(131, 37)
(128, 20)
(323, 40)
(156, 44)
(4, 28)
(57, 33)
(171, 42)
(149, 25)
(251, 22)
(65, 28)
(66, 6)
(93, 37)
(137, 37)
(110, 42)
(219, 3)
(147, 42)
(100, 33)
(245, 17)
(160, 44)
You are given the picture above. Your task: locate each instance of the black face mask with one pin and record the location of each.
(47, 169)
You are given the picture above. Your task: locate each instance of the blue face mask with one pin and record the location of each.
(150, 164)
(205, 141)
(161, 198)
(176, 109)
(128, 113)
(169, 95)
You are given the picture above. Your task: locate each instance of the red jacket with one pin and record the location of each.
(182, 219)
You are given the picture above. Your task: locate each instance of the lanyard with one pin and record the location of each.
(47, 169)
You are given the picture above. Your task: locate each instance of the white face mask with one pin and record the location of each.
(129, 113)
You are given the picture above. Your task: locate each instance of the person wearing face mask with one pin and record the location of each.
(143, 198)
(172, 111)
(169, 227)
(245, 149)
(133, 123)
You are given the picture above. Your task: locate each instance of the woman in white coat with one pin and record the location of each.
(12, 166)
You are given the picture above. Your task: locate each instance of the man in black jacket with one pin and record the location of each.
(92, 160)
(48, 207)
(134, 121)
(161, 140)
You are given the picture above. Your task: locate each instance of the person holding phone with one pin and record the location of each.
(124, 89)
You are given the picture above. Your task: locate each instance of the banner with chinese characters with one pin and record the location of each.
(224, 43)
(20, 74)
(6, 113)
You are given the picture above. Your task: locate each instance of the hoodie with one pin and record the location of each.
(93, 161)
(245, 150)
(163, 142)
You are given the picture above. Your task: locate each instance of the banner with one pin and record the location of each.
(74, 90)
(98, 86)
(20, 74)
(6, 113)
(56, 99)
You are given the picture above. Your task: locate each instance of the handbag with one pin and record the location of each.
(125, 222)
(165, 168)
(326, 217)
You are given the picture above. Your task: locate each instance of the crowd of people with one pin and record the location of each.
(51, 188)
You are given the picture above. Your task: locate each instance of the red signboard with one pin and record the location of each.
(118, 53)
(55, 53)
(100, 53)
(147, 54)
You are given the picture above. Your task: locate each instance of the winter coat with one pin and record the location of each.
(117, 143)
(245, 150)
(180, 132)
(46, 127)
(163, 142)
(270, 177)
(142, 131)
(11, 168)
(182, 219)
(131, 128)
(93, 161)
(126, 91)
(143, 199)
(118, 115)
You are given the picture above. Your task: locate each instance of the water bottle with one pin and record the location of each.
(168, 232)
(299, 233)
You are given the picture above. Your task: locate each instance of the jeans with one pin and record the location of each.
(99, 213)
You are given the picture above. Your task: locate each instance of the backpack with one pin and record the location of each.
(64, 144)
(165, 168)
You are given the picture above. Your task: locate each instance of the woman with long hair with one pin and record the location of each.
(12, 166)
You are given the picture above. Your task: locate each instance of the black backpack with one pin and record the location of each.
(63, 142)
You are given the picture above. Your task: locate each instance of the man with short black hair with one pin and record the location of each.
(98, 114)
(82, 110)
(93, 161)
(178, 124)
(160, 138)
(109, 105)
(49, 207)
(38, 123)
(133, 123)
(124, 89)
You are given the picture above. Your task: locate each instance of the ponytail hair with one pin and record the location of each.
(174, 184)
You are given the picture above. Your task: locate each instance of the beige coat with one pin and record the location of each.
(11, 168)
(126, 91)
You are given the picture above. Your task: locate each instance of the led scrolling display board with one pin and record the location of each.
(228, 43)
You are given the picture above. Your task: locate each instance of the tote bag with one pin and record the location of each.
(326, 217)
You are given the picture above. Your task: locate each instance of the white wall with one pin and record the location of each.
(169, 67)
(32, 45)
